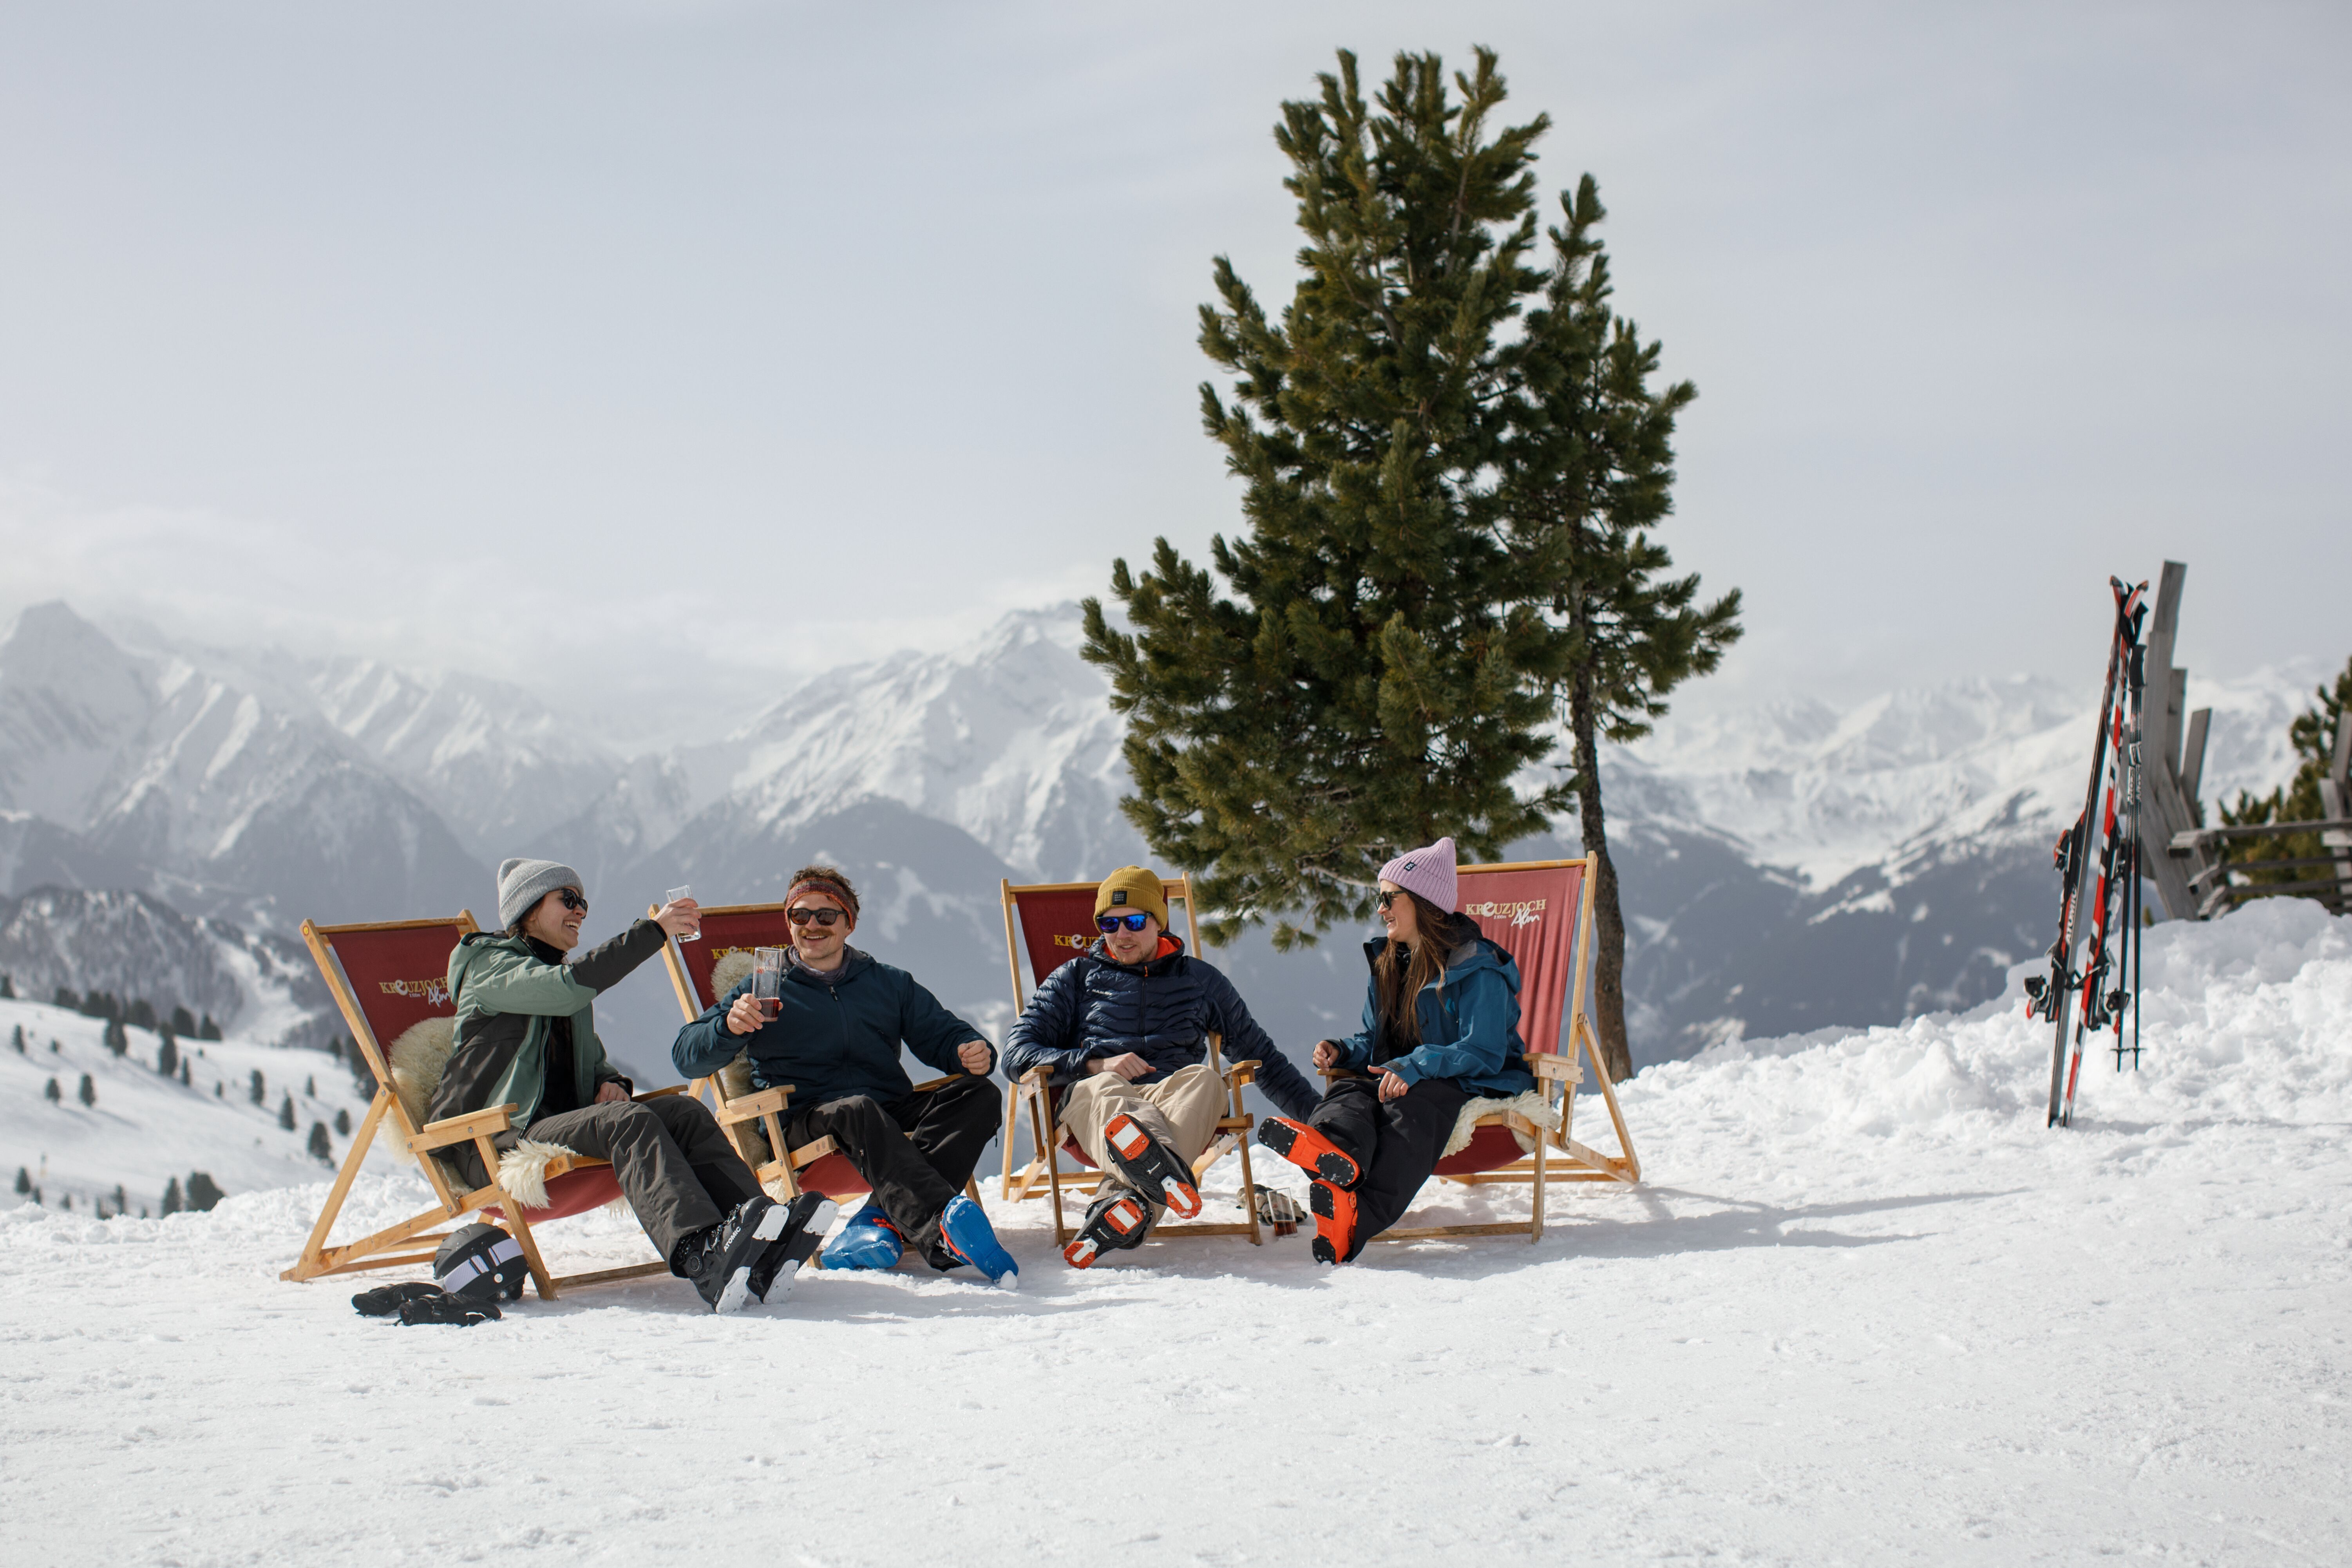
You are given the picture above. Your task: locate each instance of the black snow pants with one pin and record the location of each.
(916, 1151)
(1395, 1144)
(675, 1166)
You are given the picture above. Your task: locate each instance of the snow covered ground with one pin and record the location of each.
(1865, 1310)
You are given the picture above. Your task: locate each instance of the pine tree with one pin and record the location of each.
(220, 1089)
(311, 1087)
(321, 1148)
(16, 1038)
(1364, 689)
(183, 1072)
(171, 1200)
(66, 998)
(88, 1092)
(1588, 478)
(116, 1038)
(55, 1049)
(286, 1115)
(167, 1052)
(203, 1192)
(209, 1030)
(141, 1015)
(261, 1095)
(2313, 736)
(343, 1122)
(122, 1203)
(7, 989)
(183, 1021)
(24, 1181)
(55, 1095)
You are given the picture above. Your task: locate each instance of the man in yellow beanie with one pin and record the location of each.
(1124, 1028)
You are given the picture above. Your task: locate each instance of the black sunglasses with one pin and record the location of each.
(572, 900)
(1109, 924)
(1384, 899)
(801, 917)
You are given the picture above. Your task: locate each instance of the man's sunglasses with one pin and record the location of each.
(801, 917)
(572, 900)
(1109, 924)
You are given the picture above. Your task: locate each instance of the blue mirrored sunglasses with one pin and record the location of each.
(1109, 924)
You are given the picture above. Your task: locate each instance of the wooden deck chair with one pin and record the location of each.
(391, 980)
(1054, 922)
(703, 971)
(1541, 912)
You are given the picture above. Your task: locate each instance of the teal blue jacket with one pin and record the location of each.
(1469, 1019)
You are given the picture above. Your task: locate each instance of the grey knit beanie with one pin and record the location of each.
(522, 883)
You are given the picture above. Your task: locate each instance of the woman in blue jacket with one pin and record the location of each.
(1441, 1024)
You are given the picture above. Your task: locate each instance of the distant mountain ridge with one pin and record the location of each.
(1786, 866)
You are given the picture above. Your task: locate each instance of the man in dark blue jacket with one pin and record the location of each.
(1124, 1026)
(843, 1015)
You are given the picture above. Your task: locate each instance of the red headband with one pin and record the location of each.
(826, 885)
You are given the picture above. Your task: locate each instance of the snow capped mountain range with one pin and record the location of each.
(1785, 867)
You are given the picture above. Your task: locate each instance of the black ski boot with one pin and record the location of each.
(806, 1219)
(720, 1257)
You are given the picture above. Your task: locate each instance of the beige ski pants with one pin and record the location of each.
(1181, 1110)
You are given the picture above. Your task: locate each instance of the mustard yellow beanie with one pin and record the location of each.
(1132, 888)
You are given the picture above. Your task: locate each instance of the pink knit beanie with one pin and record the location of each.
(1429, 872)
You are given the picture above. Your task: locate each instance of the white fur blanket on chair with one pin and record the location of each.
(1530, 1105)
(417, 1059)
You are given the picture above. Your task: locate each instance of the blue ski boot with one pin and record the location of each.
(964, 1231)
(868, 1241)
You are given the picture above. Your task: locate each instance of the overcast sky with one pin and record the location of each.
(650, 354)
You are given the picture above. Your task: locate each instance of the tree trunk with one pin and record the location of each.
(1608, 919)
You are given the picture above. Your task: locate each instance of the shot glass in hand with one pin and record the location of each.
(672, 897)
(766, 975)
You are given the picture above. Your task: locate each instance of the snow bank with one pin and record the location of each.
(2248, 1017)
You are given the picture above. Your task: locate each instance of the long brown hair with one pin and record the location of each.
(1400, 973)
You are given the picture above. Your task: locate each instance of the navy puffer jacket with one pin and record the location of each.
(1164, 1010)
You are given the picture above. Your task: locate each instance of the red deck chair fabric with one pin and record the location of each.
(387, 978)
(1057, 923)
(1533, 913)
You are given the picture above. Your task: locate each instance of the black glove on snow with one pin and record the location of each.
(385, 1301)
(440, 1306)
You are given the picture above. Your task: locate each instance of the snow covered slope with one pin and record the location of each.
(1866, 1308)
(144, 1128)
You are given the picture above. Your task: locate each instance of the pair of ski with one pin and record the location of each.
(2114, 834)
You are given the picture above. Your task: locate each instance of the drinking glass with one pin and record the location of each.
(767, 973)
(672, 897)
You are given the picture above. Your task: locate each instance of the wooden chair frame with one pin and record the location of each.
(767, 1107)
(1557, 1156)
(397, 1244)
(1034, 1094)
